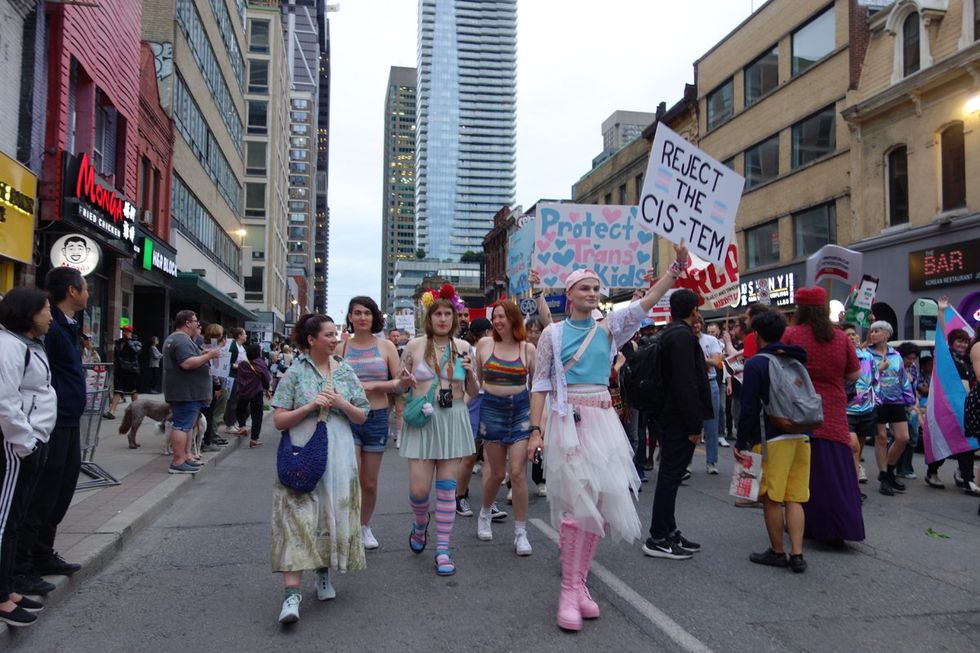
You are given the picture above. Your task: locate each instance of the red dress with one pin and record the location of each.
(828, 363)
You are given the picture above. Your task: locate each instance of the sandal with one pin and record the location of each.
(416, 540)
(444, 563)
(254, 443)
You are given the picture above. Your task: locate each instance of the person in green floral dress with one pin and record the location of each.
(321, 529)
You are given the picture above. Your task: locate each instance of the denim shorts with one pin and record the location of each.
(505, 420)
(474, 409)
(372, 435)
(185, 413)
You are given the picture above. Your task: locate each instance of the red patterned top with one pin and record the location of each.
(828, 363)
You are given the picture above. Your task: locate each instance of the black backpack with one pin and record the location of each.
(641, 382)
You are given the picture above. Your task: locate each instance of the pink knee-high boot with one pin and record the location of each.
(585, 547)
(569, 613)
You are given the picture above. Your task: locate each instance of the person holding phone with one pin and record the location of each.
(439, 366)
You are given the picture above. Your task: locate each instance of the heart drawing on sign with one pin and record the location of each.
(550, 282)
(574, 216)
(560, 244)
(554, 269)
(564, 258)
(544, 257)
(545, 240)
(634, 245)
(563, 276)
(611, 215)
(596, 246)
(642, 257)
(644, 236)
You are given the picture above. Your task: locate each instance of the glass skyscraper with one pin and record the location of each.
(466, 136)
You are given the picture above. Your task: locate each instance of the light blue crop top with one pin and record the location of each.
(593, 366)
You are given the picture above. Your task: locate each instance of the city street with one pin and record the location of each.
(198, 579)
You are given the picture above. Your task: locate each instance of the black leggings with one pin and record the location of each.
(251, 406)
(965, 461)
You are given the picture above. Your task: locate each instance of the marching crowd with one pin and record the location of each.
(562, 396)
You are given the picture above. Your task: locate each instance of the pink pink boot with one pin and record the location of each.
(569, 615)
(585, 547)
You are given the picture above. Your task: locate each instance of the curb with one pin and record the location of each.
(99, 549)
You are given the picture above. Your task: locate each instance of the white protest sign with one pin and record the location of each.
(866, 292)
(834, 262)
(520, 247)
(688, 195)
(405, 322)
(607, 239)
(762, 289)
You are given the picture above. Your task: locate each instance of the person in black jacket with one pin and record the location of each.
(689, 404)
(36, 556)
(125, 369)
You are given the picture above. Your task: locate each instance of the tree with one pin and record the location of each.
(471, 257)
(420, 253)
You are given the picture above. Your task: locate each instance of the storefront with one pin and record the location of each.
(192, 291)
(154, 272)
(96, 234)
(922, 263)
(18, 197)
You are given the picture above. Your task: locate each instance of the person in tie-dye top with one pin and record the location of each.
(861, 414)
(894, 395)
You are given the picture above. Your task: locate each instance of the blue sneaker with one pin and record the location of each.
(183, 468)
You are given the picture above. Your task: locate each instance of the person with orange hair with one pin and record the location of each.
(504, 365)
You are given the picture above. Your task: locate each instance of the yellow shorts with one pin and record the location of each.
(786, 470)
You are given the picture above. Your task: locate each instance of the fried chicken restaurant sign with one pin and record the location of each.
(88, 197)
(76, 251)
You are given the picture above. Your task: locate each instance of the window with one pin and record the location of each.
(145, 189)
(729, 163)
(258, 36)
(299, 141)
(258, 76)
(297, 233)
(258, 117)
(194, 221)
(253, 284)
(814, 228)
(762, 76)
(897, 174)
(953, 167)
(299, 168)
(762, 243)
(622, 195)
(299, 128)
(300, 116)
(814, 41)
(814, 137)
(720, 105)
(638, 187)
(254, 200)
(910, 44)
(228, 29)
(300, 104)
(255, 158)
(762, 162)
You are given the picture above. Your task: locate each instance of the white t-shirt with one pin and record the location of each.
(710, 345)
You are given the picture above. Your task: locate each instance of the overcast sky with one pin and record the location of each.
(577, 62)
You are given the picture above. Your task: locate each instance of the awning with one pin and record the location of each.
(191, 287)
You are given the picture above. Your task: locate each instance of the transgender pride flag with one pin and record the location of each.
(943, 430)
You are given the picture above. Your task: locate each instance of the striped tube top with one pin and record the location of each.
(501, 372)
(368, 364)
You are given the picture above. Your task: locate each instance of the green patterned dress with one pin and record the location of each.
(321, 528)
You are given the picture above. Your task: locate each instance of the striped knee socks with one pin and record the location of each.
(420, 506)
(445, 512)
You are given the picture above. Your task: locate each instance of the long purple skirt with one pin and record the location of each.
(834, 510)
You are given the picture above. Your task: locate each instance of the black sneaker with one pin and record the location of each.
(683, 543)
(30, 604)
(687, 475)
(664, 549)
(463, 508)
(797, 563)
(32, 584)
(885, 484)
(897, 485)
(54, 565)
(770, 558)
(221, 442)
(18, 617)
(496, 514)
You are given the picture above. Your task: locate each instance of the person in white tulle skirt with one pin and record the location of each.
(592, 482)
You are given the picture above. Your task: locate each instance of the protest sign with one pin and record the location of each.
(520, 247)
(221, 366)
(405, 322)
(858, 309)
(746, 474)
(688, 195)
(607, 239)
(528, 306)
(716, 284)
(834, 262)
(660, 313)
(735, 366)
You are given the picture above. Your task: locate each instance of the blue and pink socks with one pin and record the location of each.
(420, 506)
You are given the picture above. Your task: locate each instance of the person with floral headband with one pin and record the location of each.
(587, 457)
(437, 432)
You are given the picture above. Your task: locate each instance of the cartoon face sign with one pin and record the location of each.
(76, 251)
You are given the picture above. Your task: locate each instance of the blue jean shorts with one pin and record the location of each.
(474, 409)
(185, 413)
(372, 435)
(505, 420)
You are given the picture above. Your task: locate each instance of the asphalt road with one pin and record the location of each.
(198, 579)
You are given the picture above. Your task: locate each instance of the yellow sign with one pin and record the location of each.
(18, 197)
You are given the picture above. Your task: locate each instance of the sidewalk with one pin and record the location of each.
(101, 520)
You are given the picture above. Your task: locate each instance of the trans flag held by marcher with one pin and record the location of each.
(943, 428)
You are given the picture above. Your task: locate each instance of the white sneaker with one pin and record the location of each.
(712, 469)
(290, 609)
(324, 589)
(477, 468)
(972, 488)
(862, 474)
(722, 442)
(510, 496)
(521, 545)
(368, 538)
(542, 490)
(484, 532)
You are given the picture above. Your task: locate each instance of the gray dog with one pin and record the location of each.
(139, 409)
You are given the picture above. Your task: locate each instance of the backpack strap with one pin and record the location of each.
(581, 348)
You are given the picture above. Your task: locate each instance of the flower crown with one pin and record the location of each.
(445, 292)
